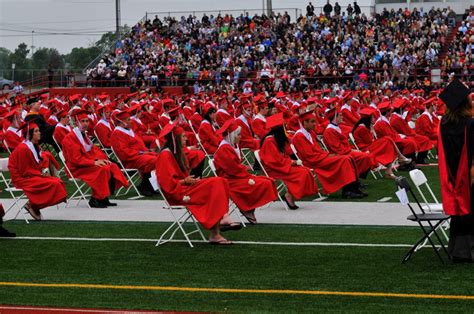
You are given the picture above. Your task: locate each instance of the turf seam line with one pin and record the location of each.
(248, 291)
(201, 241)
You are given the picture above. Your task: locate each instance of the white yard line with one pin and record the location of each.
(340, 244)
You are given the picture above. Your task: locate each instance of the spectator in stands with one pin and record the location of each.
(327, 9)
(309, 10)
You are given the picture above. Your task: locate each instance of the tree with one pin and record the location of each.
(22, 63)
(5, 63)
(79, 58)
(45, 58)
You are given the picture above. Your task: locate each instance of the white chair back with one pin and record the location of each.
(3, 164)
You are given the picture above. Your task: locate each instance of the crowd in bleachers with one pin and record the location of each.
(460, 57)
(391, 49)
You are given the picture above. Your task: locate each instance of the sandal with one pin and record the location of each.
(221, 242)
(33, 213)
(232, 226)
(250, 216)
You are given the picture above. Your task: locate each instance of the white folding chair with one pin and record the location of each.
(7, 148)
(106, 150)
(132, 179)
(180, 218)
(419, 180)
(321, 197)
(81, 188)
(280, 185)
(232, 206)
(16, 194)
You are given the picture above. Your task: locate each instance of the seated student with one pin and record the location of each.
(207, 132)
(245, 122)
(400, 125)
(246, 190)
(276, 161)
(62, 127)
(426, 124)
(384, 148)
(88, 163)
(143, 131)
(258, 123)
(333, 171)
(29, 171)
(103, 129)
(12, 135)
(131, 150)
(338, 143)
(207, 199)
(382, 127)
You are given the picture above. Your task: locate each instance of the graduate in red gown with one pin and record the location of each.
(223, 114)
(382, 127)
(400, 125)
(139, 128)
(338, 143)
(333, 171)
(247, 139)
(62, 127)
(456, 170)
(132, 152)
(384, 148)
(426, 125)
(30, 171)
(207, 132)
(275, 156)
(103, 129)
(88, 163)
(207, 199)
(246, 190)
(12, 135)
(259, 122)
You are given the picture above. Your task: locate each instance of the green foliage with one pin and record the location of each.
(81, 57)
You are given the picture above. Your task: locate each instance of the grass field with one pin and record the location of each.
(268, 265)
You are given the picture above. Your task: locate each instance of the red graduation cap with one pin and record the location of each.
(307, 115)
(121, 116)
(229, 126)
(275, 121)
(26, 127)
(81, 114)
(384, 106)
(366, 112)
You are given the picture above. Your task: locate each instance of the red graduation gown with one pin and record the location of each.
(12, 139)
(244, 195)
(60, 133)
(426, 126)
(209, 139)
(133, 152)
(384, 148)
(246, 135)
(258, 126)
(333, 172)
(25, 172)
(222, 116)
(299, 180)
(401, 126)
(81, 164)
(208, 199)
(103, 133)
(337, 143)
(350, 118)
(455, 189)
(141, 130)
(406, 145)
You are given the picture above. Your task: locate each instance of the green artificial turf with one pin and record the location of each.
(246, 266)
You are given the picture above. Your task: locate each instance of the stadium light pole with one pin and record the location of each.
(117, 19)
(269, 7)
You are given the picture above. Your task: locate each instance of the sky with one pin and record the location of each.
(65, 24)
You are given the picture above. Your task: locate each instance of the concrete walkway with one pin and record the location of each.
(331, 213)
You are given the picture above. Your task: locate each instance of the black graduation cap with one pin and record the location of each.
(454, 94)
(32, 100)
